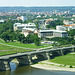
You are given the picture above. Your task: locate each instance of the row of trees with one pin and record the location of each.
(10, 35)
(64, 40)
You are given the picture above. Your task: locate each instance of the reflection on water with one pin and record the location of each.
(27, 70)
(13, 66)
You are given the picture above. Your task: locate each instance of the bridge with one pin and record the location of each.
(29, 58)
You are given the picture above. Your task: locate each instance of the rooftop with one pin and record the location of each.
(30, 29)
(70, 25)
(52, 31)
(20, 25)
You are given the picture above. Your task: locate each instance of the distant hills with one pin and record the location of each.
(36, 9)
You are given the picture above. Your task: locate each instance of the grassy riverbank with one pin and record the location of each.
(61, 63)
(17, 47)
(18, 44)
(46, 65)
(5, 50)
(68, 59)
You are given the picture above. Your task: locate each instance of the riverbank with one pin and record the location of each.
(52, 66)
(47, 65)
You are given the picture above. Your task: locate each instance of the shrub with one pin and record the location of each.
(70, 66)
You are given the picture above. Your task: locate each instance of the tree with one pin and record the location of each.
(5, 36)
(20, 21)
(36, 40)
(71, 32)
(20, 37)
(73, 42)
(59, 22)
(30, 38)
(51, 24)
(37, 26)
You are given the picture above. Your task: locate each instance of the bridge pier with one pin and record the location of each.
(61, 51)
(30, 59)
(48, 56)
(5, 65)
(73, 49)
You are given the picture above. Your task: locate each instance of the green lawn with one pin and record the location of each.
(5, 50)
(68, 59)
(23, 45)
(8, 48)
(12, 52)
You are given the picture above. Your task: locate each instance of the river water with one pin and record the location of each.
(27, 70)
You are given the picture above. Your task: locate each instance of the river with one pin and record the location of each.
(28, 70)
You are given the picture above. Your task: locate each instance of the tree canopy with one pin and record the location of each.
(53, 24)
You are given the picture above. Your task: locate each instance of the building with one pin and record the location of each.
(69, 27)
(27, 31)
(58, 33)
(19, 26)
(25, 28)
(60, 27)
(18, 18)
(47, 21)
(52, 33)
(65, 27)
(73, 15)
(24, 18)
(39, 16)
(67, 22)
(1, 21)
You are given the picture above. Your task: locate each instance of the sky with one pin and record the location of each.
(28, 3)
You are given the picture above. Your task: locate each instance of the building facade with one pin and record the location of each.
(19, 26)
(24, 18)
(52, 33)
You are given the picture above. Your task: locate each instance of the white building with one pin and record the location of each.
(25, 28)
(73, 15)
(29, 28)
(67, 22)
(1, 21)
(38, 16)
(24, 18)
(52, 33)
(65, 27)
(60, 27)
(27, 31)
(19, 26)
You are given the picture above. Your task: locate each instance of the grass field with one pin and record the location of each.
(23, 45)
(17, 47)
(68, 59)
(12, 52)
(5, 50)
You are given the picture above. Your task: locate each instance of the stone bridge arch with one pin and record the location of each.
(54, 54)
(66, 51)
(22, 60)
(41, 56)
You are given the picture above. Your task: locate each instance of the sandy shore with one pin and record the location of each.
(51, 67)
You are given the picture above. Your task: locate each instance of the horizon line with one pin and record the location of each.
(37, 6)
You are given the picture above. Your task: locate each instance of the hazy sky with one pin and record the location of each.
(37, 2)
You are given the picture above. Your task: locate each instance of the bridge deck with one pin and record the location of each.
(33, 52)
